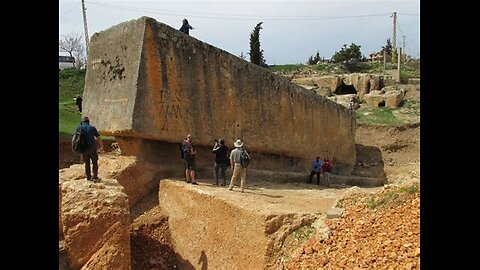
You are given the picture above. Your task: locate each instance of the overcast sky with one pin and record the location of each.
(291, 32)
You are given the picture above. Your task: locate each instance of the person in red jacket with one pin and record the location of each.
(326, 168)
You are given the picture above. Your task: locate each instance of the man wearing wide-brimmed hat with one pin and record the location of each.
(236, 165)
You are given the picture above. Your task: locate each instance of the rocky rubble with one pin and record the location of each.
(376, 231)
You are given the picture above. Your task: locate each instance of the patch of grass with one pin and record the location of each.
(407, 72)
(288, 68)
(303, 233)
(329, 68)
(409, 189)
(379, 116)
(69, 119)
(340, 203)
(373, 203)
(70, 84)
(410, 107)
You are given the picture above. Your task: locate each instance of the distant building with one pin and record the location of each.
(66, 62)
(376, 57)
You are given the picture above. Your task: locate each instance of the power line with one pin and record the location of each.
(68, 11)
(235, 16)
(409, 14)
(399, 28)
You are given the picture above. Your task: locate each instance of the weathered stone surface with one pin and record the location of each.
(335, 212)
(349, 101)
(95, 219)
(353, 180)
(413, 80)
(326, 85)
(375, 83)
(394, 98)
(199, 217)
(60, 226)
(388, 97)
(361, 82)
(137, 177)
(147, 80)
(369, 162)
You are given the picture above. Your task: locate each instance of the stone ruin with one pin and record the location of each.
(146, 84)
(349, 89)
(149, 85)
(387, 97)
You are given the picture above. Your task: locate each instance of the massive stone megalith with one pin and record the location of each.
(146, 80)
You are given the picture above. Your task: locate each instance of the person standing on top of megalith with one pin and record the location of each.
(186, 27)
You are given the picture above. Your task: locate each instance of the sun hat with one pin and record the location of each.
(238, 143)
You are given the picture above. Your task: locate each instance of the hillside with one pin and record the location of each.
(70, 84)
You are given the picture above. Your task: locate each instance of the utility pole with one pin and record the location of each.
(403, 50)
(394, 44)
(398, 79)
(84, 10)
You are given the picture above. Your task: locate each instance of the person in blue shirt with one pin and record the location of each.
(316, 169)
(186, 27)
(93, 144)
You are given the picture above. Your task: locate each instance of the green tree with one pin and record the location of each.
(388, 50)
(350, 55)
(256, 54)
(314, 59)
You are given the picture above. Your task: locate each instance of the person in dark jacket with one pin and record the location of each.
(93, 144)
(78, 102)
(186, 27)
(220, 150)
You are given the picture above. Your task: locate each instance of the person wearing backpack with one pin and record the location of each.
(189, 158)
(236, 165)
(220, 150)
(93, 143)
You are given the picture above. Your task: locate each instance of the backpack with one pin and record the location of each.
(244, 159)
(186, 151)
(79, 143)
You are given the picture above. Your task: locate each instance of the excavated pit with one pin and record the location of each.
(174, 224)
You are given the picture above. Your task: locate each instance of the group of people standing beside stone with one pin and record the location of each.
(320, 167)
(222, 161)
